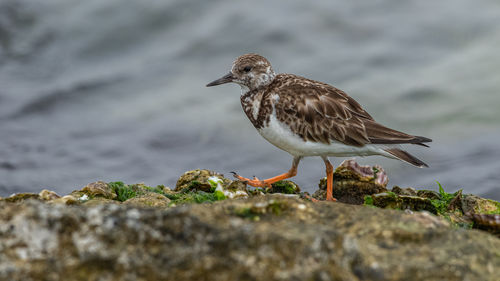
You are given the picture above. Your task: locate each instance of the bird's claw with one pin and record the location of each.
(255, 182)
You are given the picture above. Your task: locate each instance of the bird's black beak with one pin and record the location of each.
(225, 79)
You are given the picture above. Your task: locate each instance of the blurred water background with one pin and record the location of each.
(115, 90)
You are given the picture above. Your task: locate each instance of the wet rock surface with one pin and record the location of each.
(262, 238)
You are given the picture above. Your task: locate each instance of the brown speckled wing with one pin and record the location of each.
(319, 112)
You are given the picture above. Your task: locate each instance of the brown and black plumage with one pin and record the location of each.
(310, 118)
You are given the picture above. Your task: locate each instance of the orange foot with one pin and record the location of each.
(267, 182)
(255, 182)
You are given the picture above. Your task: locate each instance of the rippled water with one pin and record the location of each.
(114, 90)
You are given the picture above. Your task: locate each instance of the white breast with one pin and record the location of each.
(281, 136)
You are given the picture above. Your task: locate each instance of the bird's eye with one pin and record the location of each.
(247, 68)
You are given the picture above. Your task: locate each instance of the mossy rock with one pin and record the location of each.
(352, 182)
(349, 191)
(391, 200)
(65, 200)
(198, 180)
(191, 197)
(404, 191)
(48, 195)
(350, 170)
(150, 199)
(486, 222)
(430, 194)
(99, 189)
(99, 201)
(294, 240)
(20, 197)
(472, 204)
(285, 187)
(236, 185)
(141, 189)
(271, 205)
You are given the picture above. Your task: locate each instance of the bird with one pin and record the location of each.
(308, 118)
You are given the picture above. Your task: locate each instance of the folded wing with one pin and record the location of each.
(321, 113)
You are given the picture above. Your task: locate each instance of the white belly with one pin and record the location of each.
(281, 136)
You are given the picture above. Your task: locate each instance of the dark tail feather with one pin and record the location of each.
(421, 144)
(418, 140)
(406, 157)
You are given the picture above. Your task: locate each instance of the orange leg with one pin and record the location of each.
(267, 182)
(329, 180)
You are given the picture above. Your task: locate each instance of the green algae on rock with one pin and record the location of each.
(463, 211)
(122, 191)
(285, 187)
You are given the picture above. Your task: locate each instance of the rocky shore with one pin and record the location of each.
(212, 228)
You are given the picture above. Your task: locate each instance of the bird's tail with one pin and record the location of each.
(406, 157)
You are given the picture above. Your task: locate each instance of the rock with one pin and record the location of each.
(402, 202)
(486, 222)
(352, 182)
(430, 194)
(237, 186)
(48, 195)
(149, 200)
(198, 180)
(285, 187)
(99, 189)
(260, 238)
(404, 191)
(98, 201)
(482, 213)
(472, 204)
(236, 189)
(20, 197)
(65, 200)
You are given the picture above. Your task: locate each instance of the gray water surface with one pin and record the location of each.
(114, 90)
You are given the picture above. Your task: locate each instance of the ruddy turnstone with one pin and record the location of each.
(309, 118)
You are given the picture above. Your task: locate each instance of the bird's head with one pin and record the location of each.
(250, 71)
